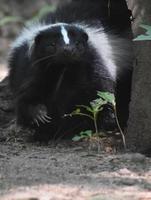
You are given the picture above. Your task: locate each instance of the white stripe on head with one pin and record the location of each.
(64, 33)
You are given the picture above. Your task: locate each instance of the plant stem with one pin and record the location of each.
(83, 114)
(119, 127)
(80, 114)
(95, 122)
(109, 8)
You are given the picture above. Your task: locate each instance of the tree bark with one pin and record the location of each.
(6, 104)
(138, 135)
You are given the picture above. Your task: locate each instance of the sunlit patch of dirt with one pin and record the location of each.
(69, 171)
(66, 192)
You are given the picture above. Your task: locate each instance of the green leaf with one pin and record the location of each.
(97, 104)
(100, 109)
(82, 135)
(76, 138)
(75, 112)
(146, 36)
(107, 96)
(87, 133)
(142, 38)
(86, 107)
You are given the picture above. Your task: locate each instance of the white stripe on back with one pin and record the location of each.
(101, 43)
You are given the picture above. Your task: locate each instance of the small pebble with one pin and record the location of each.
(125, 171)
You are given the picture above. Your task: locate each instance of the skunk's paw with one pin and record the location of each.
(39, 114)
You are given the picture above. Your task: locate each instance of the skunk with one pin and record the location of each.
(64, 59)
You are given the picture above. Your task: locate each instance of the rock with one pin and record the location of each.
(135, 157)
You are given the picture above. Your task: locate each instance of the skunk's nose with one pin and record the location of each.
(68, 50)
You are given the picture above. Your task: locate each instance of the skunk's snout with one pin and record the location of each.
(68, 50)
(72, 51)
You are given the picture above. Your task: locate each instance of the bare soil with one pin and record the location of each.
(67, 170)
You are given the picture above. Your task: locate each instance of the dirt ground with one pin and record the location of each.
(70, 171)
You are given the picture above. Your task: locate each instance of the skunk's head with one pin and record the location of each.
(60, 43)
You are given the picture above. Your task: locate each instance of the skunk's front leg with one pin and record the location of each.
(30, 112)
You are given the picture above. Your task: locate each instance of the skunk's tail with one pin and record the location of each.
(112, 14)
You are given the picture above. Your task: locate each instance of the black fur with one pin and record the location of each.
(113, 15)
(70, 75)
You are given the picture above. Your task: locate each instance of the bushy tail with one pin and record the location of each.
(112, 13)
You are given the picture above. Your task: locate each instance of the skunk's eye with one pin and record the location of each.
(52, 44)
(51, 48)
(72, 33)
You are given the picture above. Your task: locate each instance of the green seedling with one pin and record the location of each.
(92, 111)
(83, 135)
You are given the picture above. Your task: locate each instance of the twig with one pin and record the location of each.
(109, 8)
(119, 127)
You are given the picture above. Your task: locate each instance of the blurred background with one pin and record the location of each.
(15, 14)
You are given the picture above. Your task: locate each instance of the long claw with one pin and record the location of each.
(48, 117)
(45, 119)
(41, 119)
(36, 121)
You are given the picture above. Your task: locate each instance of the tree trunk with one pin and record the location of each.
(6, 105)
(138, 135)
